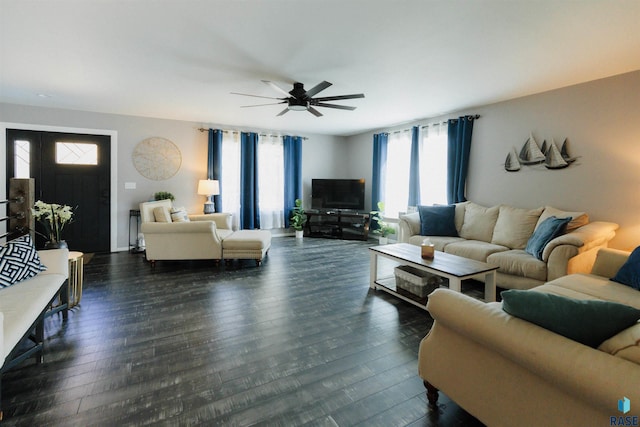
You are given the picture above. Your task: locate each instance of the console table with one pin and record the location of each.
(337, 224)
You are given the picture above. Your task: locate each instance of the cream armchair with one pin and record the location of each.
(198, 238)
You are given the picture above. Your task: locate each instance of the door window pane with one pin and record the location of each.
(22, 151)
(76, 153)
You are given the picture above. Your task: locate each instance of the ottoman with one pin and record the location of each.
(246, 244)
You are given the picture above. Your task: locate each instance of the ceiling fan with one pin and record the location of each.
(299, 99)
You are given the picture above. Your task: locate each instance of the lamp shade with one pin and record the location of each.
(208, 187)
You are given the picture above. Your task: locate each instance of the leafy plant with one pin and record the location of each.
(381, 227)
(298, 218)
(163, 195)
(53, 217)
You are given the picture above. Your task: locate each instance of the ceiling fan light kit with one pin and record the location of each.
(299, 99)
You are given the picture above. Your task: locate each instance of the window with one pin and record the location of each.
(22, 157)
(76, 153)
(271, 181)
(396, 192)
(433, 164)
(433, 168)
(230, 179)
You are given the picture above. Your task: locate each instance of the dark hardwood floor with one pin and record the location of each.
(301, 340)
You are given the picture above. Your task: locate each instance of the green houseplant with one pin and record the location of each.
(298, 219)
(382, 228)
(163, 195)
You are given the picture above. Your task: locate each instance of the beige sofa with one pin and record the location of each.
(171, 234)
(199, 238)
(498, 235)
(23, 306)
(506, 371)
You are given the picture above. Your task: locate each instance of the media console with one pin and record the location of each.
(338, 224)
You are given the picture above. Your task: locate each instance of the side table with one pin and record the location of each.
(76, 271)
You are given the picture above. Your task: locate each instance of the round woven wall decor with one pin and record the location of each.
(157, 158)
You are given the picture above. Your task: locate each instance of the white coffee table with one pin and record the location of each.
(453, 267)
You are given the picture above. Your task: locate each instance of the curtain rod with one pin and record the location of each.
(235, 131)
(444, 122)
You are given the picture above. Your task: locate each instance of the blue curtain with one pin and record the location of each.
(379, 170)
(292, 146)
(249, 209)
(414, 168)
(459, 148)
(214, 163)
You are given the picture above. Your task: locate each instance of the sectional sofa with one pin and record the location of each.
(507, 371)
(499, 235)
(171, 234)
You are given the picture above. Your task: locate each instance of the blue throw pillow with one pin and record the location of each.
(438, 220)
(629, 273)
(548, 230)
(19, 261)
(589, 322)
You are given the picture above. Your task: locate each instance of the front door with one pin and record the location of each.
(69, 169)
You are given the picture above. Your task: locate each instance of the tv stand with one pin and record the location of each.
(338, 224)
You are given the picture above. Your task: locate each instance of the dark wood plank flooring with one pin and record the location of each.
(301, 340)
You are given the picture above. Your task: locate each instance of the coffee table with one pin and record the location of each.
(453, 267)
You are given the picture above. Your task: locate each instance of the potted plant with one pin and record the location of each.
(298, 218)
(383, 229)
(53, 218)
(163, 195)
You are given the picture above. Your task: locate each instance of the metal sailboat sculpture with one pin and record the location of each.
(554, 158)
(511, 163)
(564, 151)
(530, 153)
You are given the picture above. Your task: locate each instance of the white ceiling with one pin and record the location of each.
(412, 59)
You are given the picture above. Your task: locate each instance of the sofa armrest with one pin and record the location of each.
(566, 364)
(584, 238)
(409, 225)
(56, 260)
(609, 261)
(222, 220)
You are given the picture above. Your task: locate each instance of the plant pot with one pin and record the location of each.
(56, 245)
(299, 234)
(383, 240)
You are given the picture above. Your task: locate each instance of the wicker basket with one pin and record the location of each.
(412, 282)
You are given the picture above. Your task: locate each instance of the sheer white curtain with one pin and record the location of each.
(397, 181)
(271, 181)
(433, 164)
(230, 185)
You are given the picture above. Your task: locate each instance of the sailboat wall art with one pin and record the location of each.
(549, 155)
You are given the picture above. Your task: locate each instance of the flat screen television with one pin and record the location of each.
(338, 194)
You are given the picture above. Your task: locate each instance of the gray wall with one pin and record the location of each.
(322, 155)
(601, 119)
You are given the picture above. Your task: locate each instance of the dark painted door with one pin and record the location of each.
(69, 169)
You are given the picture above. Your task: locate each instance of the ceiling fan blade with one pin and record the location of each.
(255, 96)
(262, 105)
(340, 107)
(276, 87)
(318, 88)
(283, 112)
(314, 112)
(336, 98)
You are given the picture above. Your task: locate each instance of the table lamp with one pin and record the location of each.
(209, 188)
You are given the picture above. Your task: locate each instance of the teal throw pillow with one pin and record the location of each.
(589, 322)
(548, 230)
(438, 220)
(629, 273)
